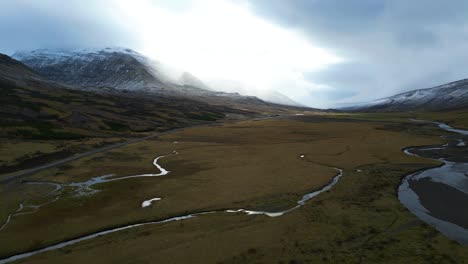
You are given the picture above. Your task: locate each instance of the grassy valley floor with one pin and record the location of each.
(255, 165)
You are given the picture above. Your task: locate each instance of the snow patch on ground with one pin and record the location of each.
(149, 202)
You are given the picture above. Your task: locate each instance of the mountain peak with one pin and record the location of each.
(119, 68)
(71, 51)
(59, 55)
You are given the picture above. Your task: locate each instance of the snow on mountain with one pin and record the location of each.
(444, 97)
(125, 69)
(118, 68)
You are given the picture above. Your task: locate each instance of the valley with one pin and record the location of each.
(53, 121)
(233, 132)
(223, 167)
(107, 166)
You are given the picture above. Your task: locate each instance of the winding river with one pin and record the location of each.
(439, 196)
(82, 188)
(85, 188)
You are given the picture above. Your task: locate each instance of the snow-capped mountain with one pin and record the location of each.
(453, 95)
(110, 67)
(125, 69)
(29, 99)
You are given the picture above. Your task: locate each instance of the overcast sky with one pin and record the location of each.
(321, 53)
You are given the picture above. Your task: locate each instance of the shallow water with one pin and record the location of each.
(300, 203)
(451, 174)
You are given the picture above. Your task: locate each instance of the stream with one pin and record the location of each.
(84, 188)
(439, 196)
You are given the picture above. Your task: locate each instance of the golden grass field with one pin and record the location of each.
(252, 165)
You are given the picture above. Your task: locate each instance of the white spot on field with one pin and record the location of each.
(149, 202)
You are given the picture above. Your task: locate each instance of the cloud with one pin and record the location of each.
(218, 39)
(390, 45)
(213, 39)
(30, 24)
(319, 52)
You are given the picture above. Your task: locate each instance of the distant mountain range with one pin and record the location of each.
(120, 70)
(125, 69)
(451, 96)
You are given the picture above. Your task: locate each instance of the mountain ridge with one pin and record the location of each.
(125, 69)
(449, 96)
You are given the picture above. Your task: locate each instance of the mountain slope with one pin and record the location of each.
(271, 96)
(11, 68)
(278, 98)
(52, 121)
(125, 69)
(449, 96)
(34, 108)
(120, 69)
